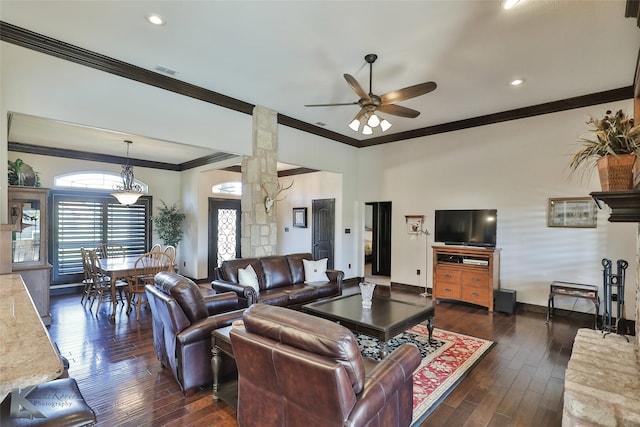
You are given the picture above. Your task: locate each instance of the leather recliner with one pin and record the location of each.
(182, 323)
(298, 370)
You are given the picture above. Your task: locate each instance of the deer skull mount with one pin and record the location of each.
(272, 197)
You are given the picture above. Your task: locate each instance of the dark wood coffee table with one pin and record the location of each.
(384, 320)
(221, 343)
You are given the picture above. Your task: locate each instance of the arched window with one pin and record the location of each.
(86, 215)
(229, 188)
(95, 180)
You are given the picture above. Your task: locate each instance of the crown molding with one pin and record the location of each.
(38, 42)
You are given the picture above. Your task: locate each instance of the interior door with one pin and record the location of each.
(224, 231)
(323, 229)
(381, 243)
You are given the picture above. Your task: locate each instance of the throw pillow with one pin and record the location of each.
(315, 271)
(247, 277)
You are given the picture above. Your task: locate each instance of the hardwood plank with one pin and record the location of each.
(520, 380)
(527, 409)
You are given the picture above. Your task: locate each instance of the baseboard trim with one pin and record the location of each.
(410, 288)
(352, 281)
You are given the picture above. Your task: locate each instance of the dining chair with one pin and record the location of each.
(102, 284)
(110, 250)
(170, 250)
(87, 293)
(145, 268)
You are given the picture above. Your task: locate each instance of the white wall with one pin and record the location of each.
(306, 188)
(311, 151)
(127, 106)
(514, 167)
(196, 191)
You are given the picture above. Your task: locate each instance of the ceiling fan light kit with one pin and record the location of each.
(370, 103)
(355, 125)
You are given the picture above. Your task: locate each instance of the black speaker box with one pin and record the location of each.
(505, 301)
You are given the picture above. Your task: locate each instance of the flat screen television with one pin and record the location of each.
(469, 227)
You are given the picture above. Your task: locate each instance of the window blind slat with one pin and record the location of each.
(81, 220)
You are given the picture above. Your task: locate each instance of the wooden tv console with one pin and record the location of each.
(464, 273)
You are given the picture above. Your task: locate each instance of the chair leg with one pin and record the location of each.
(100, 296)
(93, 299)
(130, 302)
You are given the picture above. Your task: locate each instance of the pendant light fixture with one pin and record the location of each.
(128, 193)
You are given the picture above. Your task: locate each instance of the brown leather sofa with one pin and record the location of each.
(182, 323)
(281, 280)
(298, 370)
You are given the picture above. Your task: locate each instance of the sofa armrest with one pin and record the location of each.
(221, 303)
(382, 382)
(201, 330)
(336, 276)
(244, 292)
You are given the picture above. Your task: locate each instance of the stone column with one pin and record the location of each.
(260, 172)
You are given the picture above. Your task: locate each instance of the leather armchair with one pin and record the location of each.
(299, 370)
(182, 323)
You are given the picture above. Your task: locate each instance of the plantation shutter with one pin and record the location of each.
(127, 226)
(88, 220)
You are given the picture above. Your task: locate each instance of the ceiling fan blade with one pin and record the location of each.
(330, 105)
(356, 86)
(408, 92)
(399, 110)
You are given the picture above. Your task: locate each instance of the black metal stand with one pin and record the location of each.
(613, 287)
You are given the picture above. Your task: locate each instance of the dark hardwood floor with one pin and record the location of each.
(519, 383)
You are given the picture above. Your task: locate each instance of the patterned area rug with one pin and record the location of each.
(445, 362)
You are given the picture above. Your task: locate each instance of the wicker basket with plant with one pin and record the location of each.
(614, 147)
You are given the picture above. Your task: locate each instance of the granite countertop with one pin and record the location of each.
(27, 355)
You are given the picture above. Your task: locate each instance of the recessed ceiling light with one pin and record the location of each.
(508, 4)
(155, 19)
(517, 82)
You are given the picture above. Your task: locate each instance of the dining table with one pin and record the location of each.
(118, 268)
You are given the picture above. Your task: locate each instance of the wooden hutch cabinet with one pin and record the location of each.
(466, 274)
(29, 243)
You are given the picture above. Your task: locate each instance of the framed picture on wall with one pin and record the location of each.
(300, 217)
(573, 212)
(414, 223)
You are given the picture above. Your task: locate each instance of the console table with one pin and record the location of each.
(576, 290)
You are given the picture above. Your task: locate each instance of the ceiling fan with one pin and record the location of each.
(370, 103)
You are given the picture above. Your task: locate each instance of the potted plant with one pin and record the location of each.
(614, 149)
(22, 174)
(168, 224)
